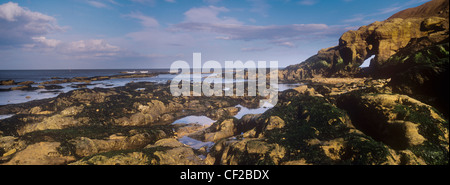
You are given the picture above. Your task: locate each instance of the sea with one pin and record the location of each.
(38, 76)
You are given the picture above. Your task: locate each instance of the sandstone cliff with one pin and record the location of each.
(412, 29)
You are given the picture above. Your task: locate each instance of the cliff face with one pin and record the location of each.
(412, 29)
(429, 9)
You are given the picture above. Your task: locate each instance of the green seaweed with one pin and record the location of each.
(314, 118)
(433, 150)
(363, 150)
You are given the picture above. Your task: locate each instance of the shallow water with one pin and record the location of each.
(6, 116)
(245, 110)
(202, 120)
(195, 144)
(283, 87)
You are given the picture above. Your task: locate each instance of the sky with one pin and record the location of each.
(145, 34)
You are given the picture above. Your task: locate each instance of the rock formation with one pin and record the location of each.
(414, 29)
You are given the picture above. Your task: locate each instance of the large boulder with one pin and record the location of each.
(246, 152)
(84, 146)
(174, 153)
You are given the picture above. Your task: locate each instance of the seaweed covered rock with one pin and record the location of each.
(247, 151)
(400, 122)
(320, 133)
(301, 130)
(172, 152)
(125, 158)
(54, 122)
(421, 74)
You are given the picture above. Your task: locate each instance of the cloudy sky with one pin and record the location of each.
(115, 34)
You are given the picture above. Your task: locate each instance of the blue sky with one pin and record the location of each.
(115, 34)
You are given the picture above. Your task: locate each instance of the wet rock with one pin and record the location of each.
(38, 110)
(59, 81)
(220, 131)
(86, 96)
(152, 112)
(175, 154)
(168, 142)
(7, 82)
(187, 129)
(25, 83)
(10, 145)
(57, 121)
(84, 146)
(51, 87)
(43, 153)
(24, 88)
(246, 151)
(133, 158)
(223, 112)
(72, 111)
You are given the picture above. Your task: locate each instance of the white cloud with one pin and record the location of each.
(287, 44)
(209, 20)
(91, 48)
(209, 14)
(146, 21)
(48, 43)
(308, 2)
(94, 45)
(97, 4)
(19, 25)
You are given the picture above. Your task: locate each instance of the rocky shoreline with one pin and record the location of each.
(53, 83)
(393, 113)
(326, 121)
(85, 122)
